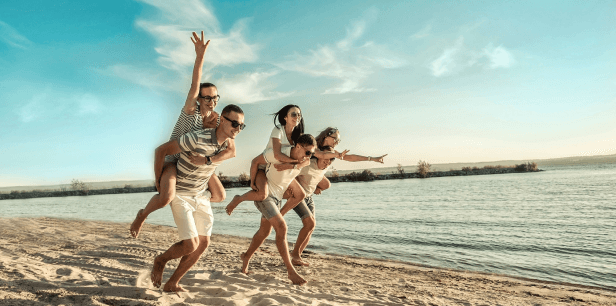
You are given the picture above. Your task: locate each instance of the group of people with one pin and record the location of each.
(292, 167)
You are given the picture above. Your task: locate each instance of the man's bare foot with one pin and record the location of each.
(297, 261)
(173, 288)
(157, 272)
(233, 204)
(296, 279)
(135, 228)
(245, 262)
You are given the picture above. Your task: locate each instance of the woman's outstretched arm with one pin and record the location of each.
(200, 47)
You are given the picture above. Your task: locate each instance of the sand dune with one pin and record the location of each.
(46, 261)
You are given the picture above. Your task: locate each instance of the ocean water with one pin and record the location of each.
(556, 225)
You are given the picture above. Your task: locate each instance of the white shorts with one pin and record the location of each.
(192, 215)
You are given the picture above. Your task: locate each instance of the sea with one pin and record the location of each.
(554, 225)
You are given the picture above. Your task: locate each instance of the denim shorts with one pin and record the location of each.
(305, 208)
(269, 208)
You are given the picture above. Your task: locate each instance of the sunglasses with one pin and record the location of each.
(336, 140)
(209, 98)
(235, 123)
(294, 114)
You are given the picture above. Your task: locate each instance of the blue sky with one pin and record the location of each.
(88, 90)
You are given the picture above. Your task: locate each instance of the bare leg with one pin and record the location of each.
(166, 194)
(302, 241)
(297, 195)
(252, 195)
(177, 250)
(280, 226)
(257, 240)
(186, 263)
(217, 189)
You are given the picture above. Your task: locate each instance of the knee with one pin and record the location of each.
(300, 193)
(167, 195)
(203, 245)
(311, 223)
(190, 245)
(281, 228)
(261, 195)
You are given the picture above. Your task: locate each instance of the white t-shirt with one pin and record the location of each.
(280, 134)
(310, 176)
(278, 181)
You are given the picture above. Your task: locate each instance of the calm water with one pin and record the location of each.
(555, 225)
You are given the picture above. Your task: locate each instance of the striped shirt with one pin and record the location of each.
(187, 123)
(192, 179)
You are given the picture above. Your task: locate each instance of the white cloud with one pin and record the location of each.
(423, 33)
(250, 88)
(172, 30)
(12, 38)
(459, 57)
(499, 57)
(446, 62)
(345, 61)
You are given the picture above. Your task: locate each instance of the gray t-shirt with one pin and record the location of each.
(310, 176)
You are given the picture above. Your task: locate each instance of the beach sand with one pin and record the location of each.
(46, 261)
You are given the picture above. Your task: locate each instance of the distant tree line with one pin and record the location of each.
(79, 188)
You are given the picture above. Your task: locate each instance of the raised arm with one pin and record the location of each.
(281, 157)
(200, 47)
(356, 158)
(169, 148)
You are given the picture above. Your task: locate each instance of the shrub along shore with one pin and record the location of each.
(423, 171)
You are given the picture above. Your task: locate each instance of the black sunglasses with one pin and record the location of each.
(235, 123)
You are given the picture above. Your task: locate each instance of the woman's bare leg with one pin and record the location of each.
(164, 197)
(217, 189)
(252, 195)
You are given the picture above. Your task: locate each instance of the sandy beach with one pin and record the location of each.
(45, 261)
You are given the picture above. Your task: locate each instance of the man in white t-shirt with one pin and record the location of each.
(192, 211)
(270, 208)
(313, 181)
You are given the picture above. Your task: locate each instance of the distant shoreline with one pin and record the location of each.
(364, 176)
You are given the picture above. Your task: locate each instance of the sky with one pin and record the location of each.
(89, 89)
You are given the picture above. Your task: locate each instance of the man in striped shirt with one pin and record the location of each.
(192, 211)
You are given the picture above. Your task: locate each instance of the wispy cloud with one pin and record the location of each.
(499, 57)
(250, 88)
(347, 60)
(172, 28)
(423, 33)
(11, 37)
(50, 103)
(458, 57)
(446, 62)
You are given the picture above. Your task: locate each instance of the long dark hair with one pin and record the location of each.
(298, 130)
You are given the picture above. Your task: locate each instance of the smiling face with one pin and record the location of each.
(323, 163)
(302, 151)
(208, 104)
(293, 117)
(227, 121)
(332, 140)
